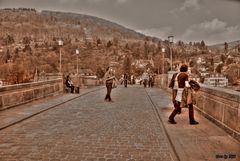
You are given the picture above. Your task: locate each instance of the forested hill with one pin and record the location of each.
(29, 41)
(231, 44)
(97, 25)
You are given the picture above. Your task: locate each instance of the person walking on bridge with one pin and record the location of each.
(183, 91)
(125, 80)
(174, 85)
(109, 78)
(145, 78)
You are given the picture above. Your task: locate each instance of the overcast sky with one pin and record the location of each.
(214, 21)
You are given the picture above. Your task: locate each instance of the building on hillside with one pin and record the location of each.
(216, 81)
(143, 63)
(205, 73)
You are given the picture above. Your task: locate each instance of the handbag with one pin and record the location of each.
(114, 85)
(194, 85)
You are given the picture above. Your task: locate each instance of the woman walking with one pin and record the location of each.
(109, 78)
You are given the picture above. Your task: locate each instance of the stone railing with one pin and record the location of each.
(222, 106)
(14, 95)
(90, 81)
(83, 82)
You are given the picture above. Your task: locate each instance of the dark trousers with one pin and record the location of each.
(109, 89)
(72, 88)
(190, 112)
(145, 83)
(125, 83)
(175, 104)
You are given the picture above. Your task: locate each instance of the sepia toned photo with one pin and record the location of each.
(119, 80)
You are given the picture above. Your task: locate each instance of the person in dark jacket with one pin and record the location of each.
(125, 79)
(182, 78)
(69, 84)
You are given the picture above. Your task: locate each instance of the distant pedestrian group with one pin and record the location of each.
(147, 79)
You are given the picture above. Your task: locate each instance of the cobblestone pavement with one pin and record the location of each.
(89, 129)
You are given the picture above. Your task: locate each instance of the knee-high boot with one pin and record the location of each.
(174, 113)
(191, 115)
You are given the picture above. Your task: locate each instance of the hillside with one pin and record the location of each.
(95, 25)
(29, 41)
(231, 45)
(56, 23)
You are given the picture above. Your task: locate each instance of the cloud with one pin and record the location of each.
(67, 1)
(95, 1)
(214, 31)
(117, 1)
(161, 33)
(122, 1)
(190, 4)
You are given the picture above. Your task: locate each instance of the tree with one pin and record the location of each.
(203, 44)
(100, 72)
(225, 47)
(98, 41)
(233, 73)
(158, 61)
(115, 41)
(8, 56)
(26, 40)
(9, 39)
(229, 60)
(219, 68)
(223, 58)
(146, 50)
(126, 46)
(109, 44)
(127, 63)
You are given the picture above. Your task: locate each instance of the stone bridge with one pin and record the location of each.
(83, 127)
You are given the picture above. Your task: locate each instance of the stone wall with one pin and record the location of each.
(90, 82)
(14, 95)
(222, 106)
(84, 82)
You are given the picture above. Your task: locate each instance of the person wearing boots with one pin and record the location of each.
(182, 90)
(109, 78)
(174, 85)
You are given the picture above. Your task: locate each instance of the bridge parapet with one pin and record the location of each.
(14, 95)
(222, 106)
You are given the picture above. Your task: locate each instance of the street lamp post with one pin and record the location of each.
(163, 52)
(60, 43)
(162, 75)
(77, 53)
(170, 40)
